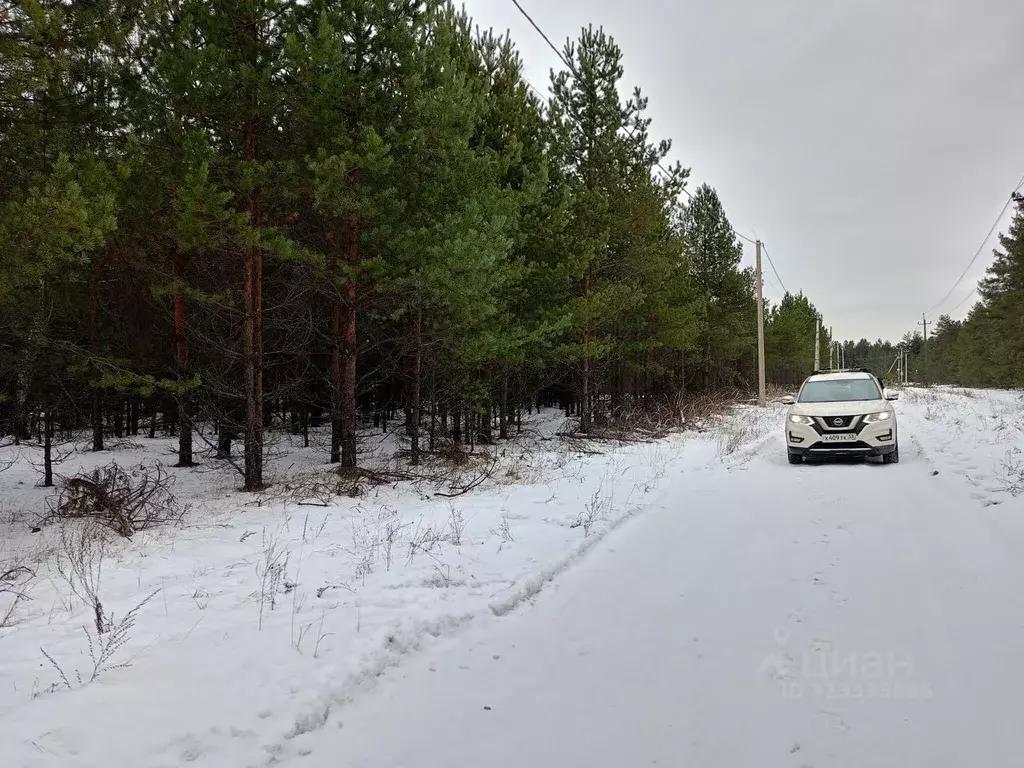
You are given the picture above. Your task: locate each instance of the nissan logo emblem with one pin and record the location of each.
(837, 422)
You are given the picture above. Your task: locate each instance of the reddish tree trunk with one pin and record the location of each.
(48, 449)
(252, 300)
(253, 354)
(348, 353)
(336, 381)
(94, 343)
(133, 416)
(181, 361)
(457, 426)
(415, 415)
(252, 320)
(585, 404)
(503, 414)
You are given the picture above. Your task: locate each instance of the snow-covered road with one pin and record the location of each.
(831, 615)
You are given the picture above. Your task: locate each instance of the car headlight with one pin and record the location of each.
(806, 420)
(873, 418)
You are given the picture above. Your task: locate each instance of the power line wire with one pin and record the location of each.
(963, 300)
(981, 247)
(569, 65)
(771, 263)
(768, 281)
(540, 32)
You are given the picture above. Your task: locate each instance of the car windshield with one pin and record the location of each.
(839, 391)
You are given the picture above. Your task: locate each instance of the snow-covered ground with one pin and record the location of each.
(261, 617)
(723, 609)
(829, 615)
(972, 436)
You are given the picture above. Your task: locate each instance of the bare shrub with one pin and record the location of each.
(735, 433)
(317, 495)
(425, 541)
(658, 460)
(14, 580)
(599, 507)
(125, 501)
(391, 530)
(456, 527)
(442, 577)
(364, 548)
(656, 419)
(80, 565)
(321, 635)
(310, 534)
(700, 412)
(271, 572)
(454, 453)
(102, 649)
(504, 530)
(1012, 473)
(459, 486)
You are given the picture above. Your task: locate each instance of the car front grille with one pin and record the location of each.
(837, 423)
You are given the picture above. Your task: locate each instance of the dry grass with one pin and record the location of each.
(1011, 478)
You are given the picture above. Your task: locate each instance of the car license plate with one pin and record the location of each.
(841, 437)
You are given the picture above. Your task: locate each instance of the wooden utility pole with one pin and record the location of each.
(760, 330)
(817, 343)
(924, 348)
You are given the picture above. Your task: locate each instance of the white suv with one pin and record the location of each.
(841, 413)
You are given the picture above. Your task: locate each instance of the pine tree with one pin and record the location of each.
(1002, 293)
(714, 253)
(607, 158)
(789, 340)
(220, 69)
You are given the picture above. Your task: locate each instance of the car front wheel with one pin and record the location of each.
(795, 458)
(892, 458)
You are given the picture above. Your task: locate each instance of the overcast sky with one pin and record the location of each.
(869, 143)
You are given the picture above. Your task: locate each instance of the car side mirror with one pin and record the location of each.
(892, 395)
(788, 400)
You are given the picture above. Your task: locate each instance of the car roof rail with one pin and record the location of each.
(841, 370)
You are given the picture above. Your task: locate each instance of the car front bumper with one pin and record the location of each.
(876, 439)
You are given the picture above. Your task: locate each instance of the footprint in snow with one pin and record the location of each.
(831, 721)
